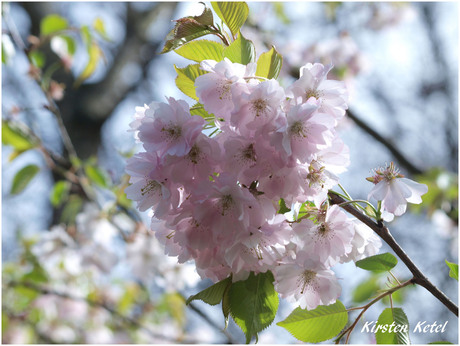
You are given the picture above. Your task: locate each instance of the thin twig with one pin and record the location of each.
(367, 306)
(384, 233)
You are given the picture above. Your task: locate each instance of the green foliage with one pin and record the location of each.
(366, 289)
(173, 304)
(213, 294)
(320, 324)
(399, 335)
(20, 141)
(59, 192)
(280, 13)
(283, 208)
(253, 303)
(52, 24)
(188, 29)
(23, 178)
(96, 175)
(233, 14)
(241, 51)
(94, 54)
(99, 27)
(37, 58)
(71, 209)
(269, 64)
(202, 50)
(185, 80)
(453, 272)
(378, 263)
(442, 192)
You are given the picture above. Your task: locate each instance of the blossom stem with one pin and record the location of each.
(359, 201)
(384, 233)
(367, 306)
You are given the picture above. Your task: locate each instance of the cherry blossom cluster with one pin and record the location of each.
(216, 199)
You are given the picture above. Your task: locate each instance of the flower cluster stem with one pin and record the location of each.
(384, 233)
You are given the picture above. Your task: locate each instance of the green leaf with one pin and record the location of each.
(99, 26)
(399, 334)
(453, 272)
(37, 58)
(378, 263)
(96, 175)
(60, 192)
(94, 53)
(283, 208)
(241, 51)
(226, 303)
(52, 23)
(233, 14)
(186, 30)
(320, 324)
(366, 289)
(185, 80)
(23, 178)
(213, 294)
(440, 343)
(71, 209)
(253, 303)
(13, 136)
(202, 50)
(269, 64)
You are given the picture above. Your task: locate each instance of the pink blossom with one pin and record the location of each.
(257, 107)
(170, 129)
(309, 284)
(306, 131)
(217, 89)
(365, 243)
(148, 186)
(395, 191)
(312, 84)
(326, 240)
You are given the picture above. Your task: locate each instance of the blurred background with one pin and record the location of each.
(94, 274)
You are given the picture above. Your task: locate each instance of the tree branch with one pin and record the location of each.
(384, 233)
(387, 143)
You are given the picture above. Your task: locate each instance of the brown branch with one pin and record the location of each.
(399, 156)
(368, 305)
(384, 233)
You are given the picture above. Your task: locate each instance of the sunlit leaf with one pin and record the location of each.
(202, 50)
(269, 64)
(52, 23)
(378, 263)
(233, 14)
(71, 209)
(320, 324)
(23, 178)
(185, 30)
(283, 208)
(253, 303)
(398, 335)
(13, 136)
(213, 294)
(241, 51)
(59, 192)
(96, 175)
(37, 58)
(366, 289)
(185, 80)
(453, 272)
(94, 53)
(99, 26)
